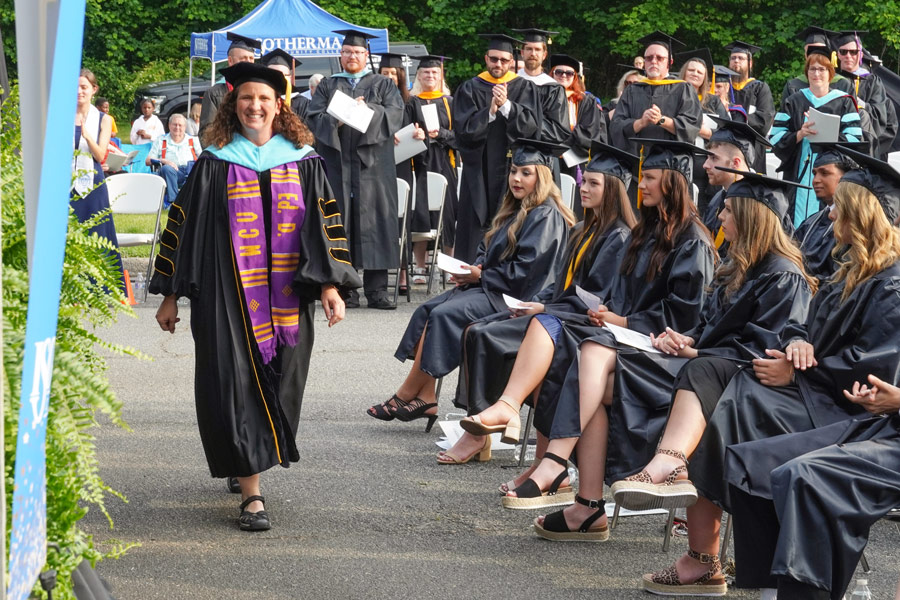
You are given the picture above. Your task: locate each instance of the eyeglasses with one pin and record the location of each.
(498, 59)
(848, 51)
(655, 58)
(353, 52)
(818, 70)
(563, 73)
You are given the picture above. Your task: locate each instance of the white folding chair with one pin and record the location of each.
(567, 187)
(402, 204)
(138, 194)
(437, 192)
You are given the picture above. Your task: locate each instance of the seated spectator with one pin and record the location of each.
(147, 127)
(193, 121)
(175, 153)
(313, 84)
(102, 105)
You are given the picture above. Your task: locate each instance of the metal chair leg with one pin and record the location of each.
(668, 535)
(615, 519)
(728, 529)
(528, 423)
(437, 389)
(864, 563)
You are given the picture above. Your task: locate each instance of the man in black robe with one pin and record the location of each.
(877, 113)
(751, 99)
(490, 111)
(814, 36)
(554, 108)
(242, 49)
(360, 165)
(656, 107)
(286, 64)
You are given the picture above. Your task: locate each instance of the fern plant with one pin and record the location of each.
(90, 298)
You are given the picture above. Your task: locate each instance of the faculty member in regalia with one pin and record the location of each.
(253, 239)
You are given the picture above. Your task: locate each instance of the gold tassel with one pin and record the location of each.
(640, 175)
(712, 85)
(834, 59)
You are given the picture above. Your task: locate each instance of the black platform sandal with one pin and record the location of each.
(233, 485)
(383, 411)
(414, 409)
(556, 529)
(254, 521)
(529, 495)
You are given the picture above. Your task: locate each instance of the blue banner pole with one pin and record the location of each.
(28, 544)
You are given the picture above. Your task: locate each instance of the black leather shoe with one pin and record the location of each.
(352, 300)
(233, 486)
(254, 521)
(382, 304)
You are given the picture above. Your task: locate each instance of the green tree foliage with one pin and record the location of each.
(80, 392)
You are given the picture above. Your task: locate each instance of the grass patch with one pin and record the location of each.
(138, 224)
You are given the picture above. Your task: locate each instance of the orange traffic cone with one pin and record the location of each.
(128, 291)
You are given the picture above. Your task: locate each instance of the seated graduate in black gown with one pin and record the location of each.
(803, 503)
(663, 276)
(518, 257)
(851, 330)
(550, 340)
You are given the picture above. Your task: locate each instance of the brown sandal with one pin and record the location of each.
(667, 582)
(638, 492)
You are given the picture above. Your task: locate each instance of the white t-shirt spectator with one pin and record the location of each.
(153, 126)
(180, 154)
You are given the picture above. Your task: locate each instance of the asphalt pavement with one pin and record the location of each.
(366, 513)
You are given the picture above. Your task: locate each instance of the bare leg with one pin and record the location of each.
(250, 487)
(683, 432)
(704, 521)
(418, 384)
(419, 251)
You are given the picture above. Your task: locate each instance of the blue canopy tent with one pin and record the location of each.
(299, 27)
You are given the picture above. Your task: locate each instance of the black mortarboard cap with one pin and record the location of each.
(243, 43)
(878, 177)
(769, 191)
(428, 61)
(701, 54)
(536, 35)
(565, 60)
(833, 154)
(612, 161)
(814, 35)
(243, 72)
(663, 39)
(670, 154)
(840, 38)
(739, 46)
(723, 71)
(389, 60)
(353, 37)
(823, 50)
(500, 41)
(279, 57)
(738, 134)
(535, 152)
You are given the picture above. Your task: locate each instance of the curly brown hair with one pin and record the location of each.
(226, 124)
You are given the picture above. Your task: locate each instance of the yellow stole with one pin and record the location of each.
(740, 86)
(576, 260)
(491, 79)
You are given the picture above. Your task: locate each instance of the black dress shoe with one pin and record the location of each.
(233, 485)
(382, 304)
(254, 521)
(352, 300)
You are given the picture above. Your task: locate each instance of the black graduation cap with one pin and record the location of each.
(612, 161)
(536, 35)
(814, 35)
(242, 43)
(769, 191)
(739, 46)
(670, 154)
(823, 50)
(428, 61)
(840, 38)
(723, 71)
(738, 134)
(353, 37)
(833, 154)
(535, 152)
(389, 60)
(701, 54)
(500, 41)
(244, 72)
(663, 39)
(878, 177)
(279, 57)
(565, 60)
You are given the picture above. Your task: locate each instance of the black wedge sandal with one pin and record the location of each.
(254, 521)
(414, 409)
(556, 529)
(529, 495)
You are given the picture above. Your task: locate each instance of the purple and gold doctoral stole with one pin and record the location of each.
(271, 302)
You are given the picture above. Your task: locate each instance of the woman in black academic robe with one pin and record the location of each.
(665, 269)
(851, 330)
(248, 404)
(543, 347)
(517, 257)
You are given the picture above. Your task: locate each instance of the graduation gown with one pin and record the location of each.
(674, 298)
(247, 411)
(676, 100)
(803, 503)
(816, 239)
(588, 125)
(485, 149)
(712, 222)
(210, 105)
(300, 106)
(797, 159)
(540, 245)
(882, 117)
(439, 157)
(711, 105)
(490, 345)
(361, 168)
(755, 97)
(851, 339)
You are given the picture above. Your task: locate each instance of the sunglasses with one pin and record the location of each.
(498, 59)
(848, 51)
(563, 73)
(655, 58)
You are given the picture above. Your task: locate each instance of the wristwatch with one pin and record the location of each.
(662, 121)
